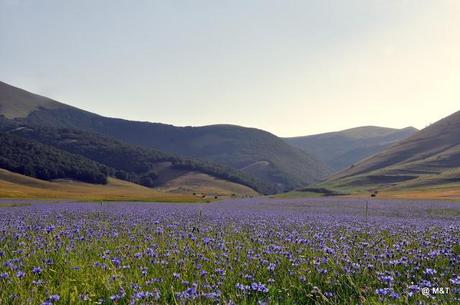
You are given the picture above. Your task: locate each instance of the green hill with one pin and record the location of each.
(31, 158)
(135, 164)
(259, 154)
(341, 149)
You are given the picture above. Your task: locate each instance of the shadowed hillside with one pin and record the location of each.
(278, 163)
(341, 149)
(430, 157)
(135, 164)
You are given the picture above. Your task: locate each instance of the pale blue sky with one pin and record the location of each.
(290, 67)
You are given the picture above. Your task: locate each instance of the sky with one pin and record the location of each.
(290, 67)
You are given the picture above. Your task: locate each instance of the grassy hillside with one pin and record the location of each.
(285, 167)
(429, 158)
(340, 150)
(202, 184)
(14, 185)
(139, 165)
(16, 103)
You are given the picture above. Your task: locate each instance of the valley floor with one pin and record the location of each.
(444, 192)
(440, 193)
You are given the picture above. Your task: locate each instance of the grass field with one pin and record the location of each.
(443, 192)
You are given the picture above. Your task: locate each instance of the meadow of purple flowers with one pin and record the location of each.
(258, 251)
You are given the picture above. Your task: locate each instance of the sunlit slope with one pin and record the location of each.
(202, 183)
(13, 185)
(17, 103)
(18, 186)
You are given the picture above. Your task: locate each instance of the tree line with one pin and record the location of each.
(126, 162)
(34, 159)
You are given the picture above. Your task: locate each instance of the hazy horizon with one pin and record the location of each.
(292, 68)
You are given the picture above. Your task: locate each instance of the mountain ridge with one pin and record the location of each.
(341, 149)
(135, 164)
(432, 154)
(231, 145)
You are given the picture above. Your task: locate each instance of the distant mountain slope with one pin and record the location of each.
(278, 163)
(432, 154)
(341, 149)
(135, 164)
